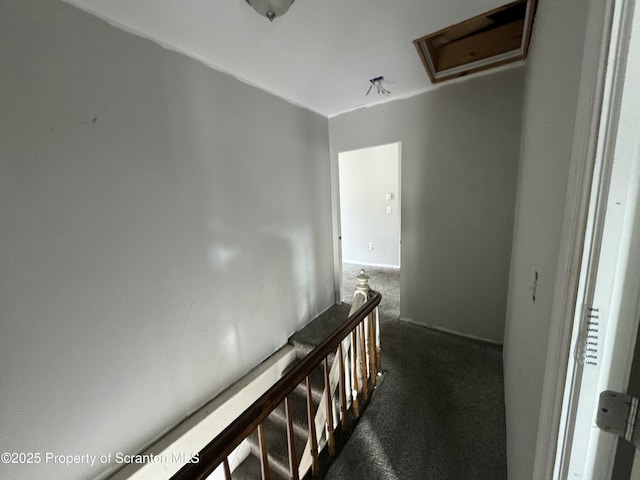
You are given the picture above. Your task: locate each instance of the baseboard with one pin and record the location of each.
(379, 265)
(451, 332)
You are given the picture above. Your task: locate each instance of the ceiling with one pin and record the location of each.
(319, 55)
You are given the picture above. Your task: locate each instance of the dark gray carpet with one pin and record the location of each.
(438, 414)
(383, 280)
(321, 327)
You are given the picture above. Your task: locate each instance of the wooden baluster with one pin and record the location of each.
(378, 347)
(331, 442)
(227, 470)
(311, 417)
(264, 459)
(363, 363)
(372, 352)
(342, 391)
(354, 373)
(293, 455)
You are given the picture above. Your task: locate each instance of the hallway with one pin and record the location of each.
(438, 414)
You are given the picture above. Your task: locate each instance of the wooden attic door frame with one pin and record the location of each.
(599, 97)
(484, 42)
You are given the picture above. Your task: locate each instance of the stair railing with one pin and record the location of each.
(357, 347)
(364, 338)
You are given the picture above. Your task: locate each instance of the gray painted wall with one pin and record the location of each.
(154, 243)
(551, 92)
(460, 147)
(366, 177)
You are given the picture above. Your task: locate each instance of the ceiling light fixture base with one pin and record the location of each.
(270, 8)
(377, 84)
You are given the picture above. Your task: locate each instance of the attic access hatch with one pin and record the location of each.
(494, 38)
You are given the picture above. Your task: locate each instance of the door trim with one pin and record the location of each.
(600, 87)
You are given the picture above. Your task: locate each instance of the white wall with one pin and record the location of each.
(460, 148)
(366, 177)
(550, 102)
(154, 245)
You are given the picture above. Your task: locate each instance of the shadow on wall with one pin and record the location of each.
(467, 190)
(251, 285)
(146, 246)
(259, 253)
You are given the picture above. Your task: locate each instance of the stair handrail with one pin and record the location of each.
(360, 297)
(216, 452)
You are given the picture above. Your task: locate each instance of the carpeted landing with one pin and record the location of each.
(438, 414)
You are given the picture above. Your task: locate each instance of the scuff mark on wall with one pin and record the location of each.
(186, 317)
(534, 287)
(80, 122)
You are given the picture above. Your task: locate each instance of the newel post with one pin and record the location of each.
(362, 288)
(361, 295)
(371, 345)
(360, 378)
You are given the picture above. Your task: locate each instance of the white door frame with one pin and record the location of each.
(337, 261)
(600, 95)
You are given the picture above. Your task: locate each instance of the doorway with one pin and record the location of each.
(370, 222)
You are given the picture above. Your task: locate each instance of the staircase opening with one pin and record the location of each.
(299, 425)
(290, 416)
(370, 222)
